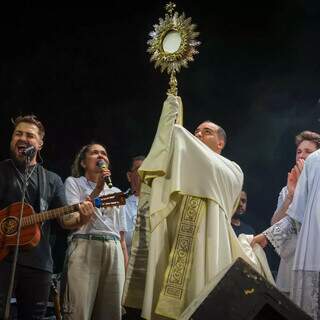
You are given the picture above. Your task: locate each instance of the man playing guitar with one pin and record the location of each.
(44, 191)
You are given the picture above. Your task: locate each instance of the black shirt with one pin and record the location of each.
(243, 228)
(44, 192)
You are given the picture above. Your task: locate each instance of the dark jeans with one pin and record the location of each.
(31, 289)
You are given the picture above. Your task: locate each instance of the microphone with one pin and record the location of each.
(103, 165)
(29, 151)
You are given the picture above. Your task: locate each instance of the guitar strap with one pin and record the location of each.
(43, 189)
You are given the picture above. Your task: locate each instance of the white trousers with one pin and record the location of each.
(93, 280)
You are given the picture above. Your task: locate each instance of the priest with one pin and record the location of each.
(183, 241)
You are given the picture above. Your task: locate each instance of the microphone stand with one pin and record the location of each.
(16, 250)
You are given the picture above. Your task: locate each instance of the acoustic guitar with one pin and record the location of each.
(30, 230)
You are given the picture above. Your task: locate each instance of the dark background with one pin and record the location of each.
(86, 74)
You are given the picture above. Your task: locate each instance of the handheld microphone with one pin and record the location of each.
(29, 151)
(103, 165)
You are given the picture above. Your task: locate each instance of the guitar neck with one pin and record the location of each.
(111, 200)
(49, 215)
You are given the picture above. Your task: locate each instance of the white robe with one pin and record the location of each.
(177, 253)
(304, 211)
(284, 272)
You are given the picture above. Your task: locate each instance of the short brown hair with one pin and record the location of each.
(136, 158)
(308, 136)
(30, 118)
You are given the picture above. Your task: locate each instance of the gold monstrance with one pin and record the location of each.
(173, 44)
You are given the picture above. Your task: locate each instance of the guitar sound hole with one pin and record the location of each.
(9, 226)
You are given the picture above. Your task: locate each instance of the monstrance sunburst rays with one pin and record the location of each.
(173, 44)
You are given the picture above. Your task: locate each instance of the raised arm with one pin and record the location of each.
(286, 195)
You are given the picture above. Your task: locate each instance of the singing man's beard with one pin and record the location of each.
(19, 160)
